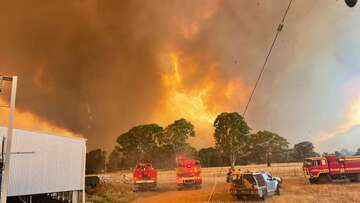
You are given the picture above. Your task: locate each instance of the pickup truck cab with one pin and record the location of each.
(272, 183)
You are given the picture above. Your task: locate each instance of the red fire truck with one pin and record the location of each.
(145, 177)
(188, 173)
(325, 169)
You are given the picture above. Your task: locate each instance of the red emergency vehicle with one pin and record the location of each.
(327, 168)
(188, 173)
(145, 177)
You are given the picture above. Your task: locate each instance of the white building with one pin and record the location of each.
(45, 166)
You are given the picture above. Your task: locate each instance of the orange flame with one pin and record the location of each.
(200, 102)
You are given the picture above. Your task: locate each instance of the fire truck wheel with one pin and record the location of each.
(312, 181)
(239, 197)
(357, 177)
(323, 179)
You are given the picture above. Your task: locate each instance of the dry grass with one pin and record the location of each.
(109, 193)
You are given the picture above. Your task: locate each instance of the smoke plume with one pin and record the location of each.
(97, 68)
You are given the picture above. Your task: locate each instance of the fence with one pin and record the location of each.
(282, 170)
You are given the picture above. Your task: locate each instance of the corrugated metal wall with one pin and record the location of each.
(56, 164)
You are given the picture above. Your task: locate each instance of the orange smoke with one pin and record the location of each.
(189, 28)
(29, 121)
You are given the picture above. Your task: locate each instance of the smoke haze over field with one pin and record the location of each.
(98, 68)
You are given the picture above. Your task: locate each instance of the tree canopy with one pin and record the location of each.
(152, 143)
(267, 146)
(139, 142)
(95, 161)
(303, 150)
(231, 135)
(210, 157)
(177, 134)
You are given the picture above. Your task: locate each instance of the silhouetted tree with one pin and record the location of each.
(177, 134)
(357, 153)
(95, 161)
(303, 150)
(267, 147)
(210, 157)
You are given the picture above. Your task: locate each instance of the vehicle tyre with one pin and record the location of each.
(262, 198)
(312, 180)
(323, 179)
(357, 178)
(239, 197)
(353, 179)
(277, 191)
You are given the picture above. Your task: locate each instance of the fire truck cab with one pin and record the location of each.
(325, 169)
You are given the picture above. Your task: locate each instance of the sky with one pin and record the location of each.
(96, 68)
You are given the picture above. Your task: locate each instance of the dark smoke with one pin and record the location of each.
(89, 66)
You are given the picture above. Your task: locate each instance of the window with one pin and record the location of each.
(260, 180)
(323, 162)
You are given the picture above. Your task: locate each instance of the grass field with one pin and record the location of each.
(295, 188)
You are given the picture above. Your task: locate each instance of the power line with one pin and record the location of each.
(279, 29)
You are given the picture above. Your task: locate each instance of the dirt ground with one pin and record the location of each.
(293, 190)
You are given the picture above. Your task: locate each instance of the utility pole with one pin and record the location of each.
(6, 162)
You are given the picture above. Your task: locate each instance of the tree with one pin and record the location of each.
(303, 150)
(117, 160)
(95, 161)
(231, 135)
(266, 146)
(139, 143)
(338, 154)
(357, 152)
(177, 133)
(164, 157)
(210, 157)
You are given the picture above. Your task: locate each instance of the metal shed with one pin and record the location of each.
(47, 164)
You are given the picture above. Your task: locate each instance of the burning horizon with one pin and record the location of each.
(29, 121)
